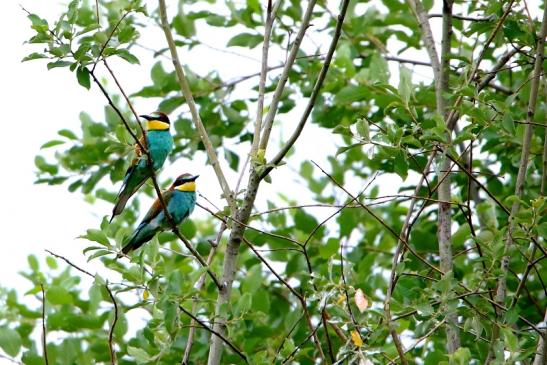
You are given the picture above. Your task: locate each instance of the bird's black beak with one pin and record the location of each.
(194, 178)
(147, 117)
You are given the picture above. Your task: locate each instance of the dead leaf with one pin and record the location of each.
(361, 300)
(357, 341)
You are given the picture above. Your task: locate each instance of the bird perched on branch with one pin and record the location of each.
(180, 200)
(159, 144)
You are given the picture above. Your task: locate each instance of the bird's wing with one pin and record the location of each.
(156, 207)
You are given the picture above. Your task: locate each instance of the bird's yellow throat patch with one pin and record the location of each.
(156, 125)
(189, 186)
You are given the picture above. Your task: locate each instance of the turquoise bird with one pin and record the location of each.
(180, 200)
(159, 143)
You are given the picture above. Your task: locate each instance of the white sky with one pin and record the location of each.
(36, 103)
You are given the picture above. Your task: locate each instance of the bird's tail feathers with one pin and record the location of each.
(139, 237)
(123, 197)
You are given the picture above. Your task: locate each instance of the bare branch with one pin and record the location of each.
(313, 97)
(268, 122)
(444, 231)
(501, 291)
(44, 332)
(113, 360)
(270, 17)
(185, 88)
(461, 17)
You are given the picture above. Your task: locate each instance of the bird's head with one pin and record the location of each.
(157, 121)
(185, 182)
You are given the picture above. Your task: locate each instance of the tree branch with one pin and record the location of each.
(501, 290)
(44, 332)
(242, 216)
(113, 360)
(268, 122)
(444, 232)
(199, 285)
(541, 349)
(313, 97)
(270, 17)
(185, 88)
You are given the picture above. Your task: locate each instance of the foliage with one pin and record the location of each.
(384, 123)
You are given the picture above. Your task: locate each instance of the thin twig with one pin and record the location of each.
(380, 220)
(44, 332)
(301, 299)
(461, 17)
(71, 264)
(209, 329)
(113, 359)
(97, 59)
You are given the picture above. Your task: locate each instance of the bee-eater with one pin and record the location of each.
(159, 143)
(180, 200)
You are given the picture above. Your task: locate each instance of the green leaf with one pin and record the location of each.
(508, 123)
(243, 304)
(10, 341)
(140, 356)
(330, 248)
(42, 165)
(344, 149)
(58, 64)
(33, 263)
(343, 130)
(405, 84)
(126, 33)
(511, 341)
(51, 144)
(400, 165)
(58, 295)
(34, 56)
(67, 134)
(232, 158)
(261, 301)
(304, 221)
(379, 70)
(350, 94)
(188, 229)
(124, 53)
(245, 40)
(184, 26)
(82, 74)
(363, 129)
(96, 235)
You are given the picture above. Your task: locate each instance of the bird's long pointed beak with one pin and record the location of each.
(194, 178)
(147, 117)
